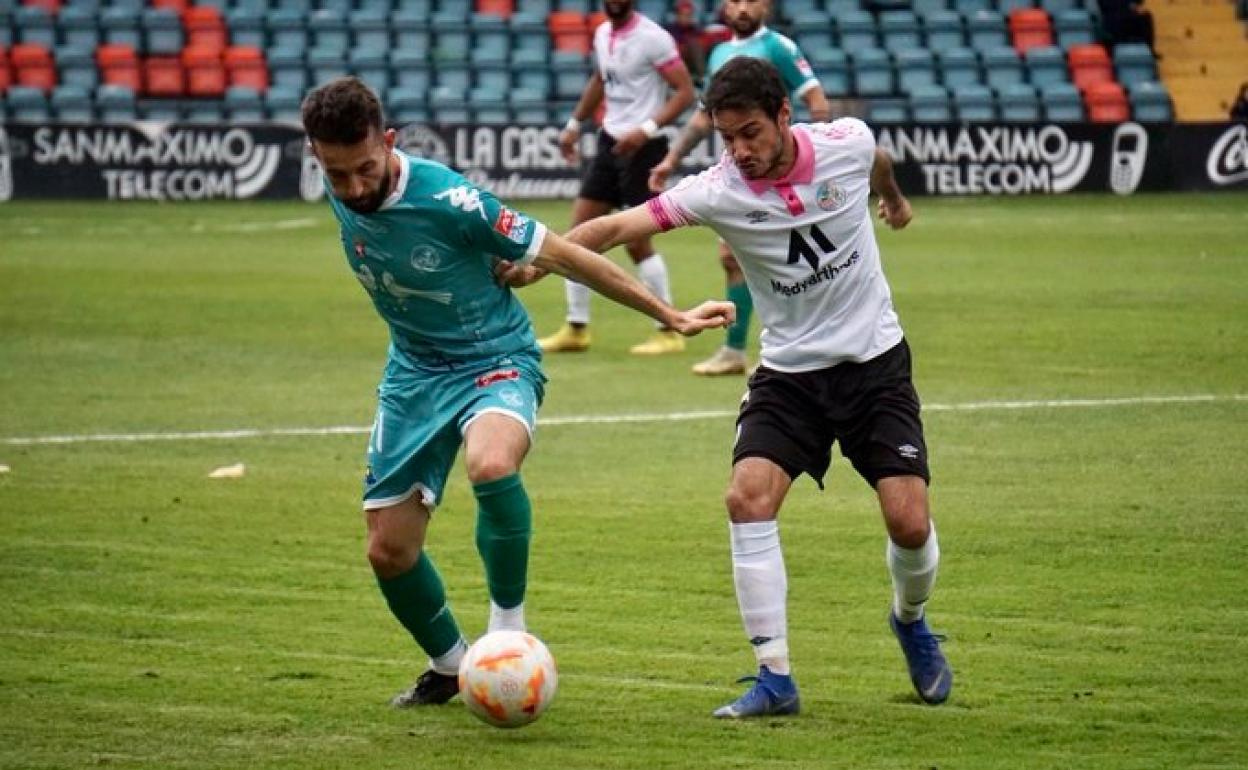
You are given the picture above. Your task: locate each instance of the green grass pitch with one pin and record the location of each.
(1082, 360)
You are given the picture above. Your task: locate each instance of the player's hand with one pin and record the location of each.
(517, 276)
(630, 142)
(659, 175)
(896, 213)
(712, 314)
(568, 140)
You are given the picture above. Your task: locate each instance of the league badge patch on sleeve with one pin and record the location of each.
(513, 224)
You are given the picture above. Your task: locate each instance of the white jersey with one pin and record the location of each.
(631, 61)
(806, 245)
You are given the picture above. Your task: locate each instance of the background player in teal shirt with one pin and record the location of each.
(749, 38)
(463, 365)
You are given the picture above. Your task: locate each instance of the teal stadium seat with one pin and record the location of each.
(1073, 26)
(873, 72)
(929, 103)
(326, 64)
(27, 105)
(959, 67)
(1046, 65)
(915, 67)
(1005, 6)
(246, 25)
(286, 29)
(420, 8)
(1150, 102)
(1002, 66)
(453, 77)
(205, 111)
(328, 31)
(115, 104)
(528, 107)
(493, 76)
(943, 29)
(899, 31)
(370, 28)
(162, 32)
(489, 106)
(536, 77)
(1062, 103)
(77, 25)
(986, 29)
(856, 30)
(372, 65)
(969, 7)
(243, 105)
(1018, 103)
(411, 70)
(571, 71)
(408, 105)
(34, 24)
(287, 68)
(72, 104)
(922, 8)
(452, 37)
(887, 111)
(974, 103)
(412, 33)
(449, 106)
(1134, 63)
(76, 66)
(831, 66)
(161, 110)
(490, 33)
(282, 104)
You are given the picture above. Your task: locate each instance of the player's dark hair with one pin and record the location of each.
(342, 111)
(746, 83)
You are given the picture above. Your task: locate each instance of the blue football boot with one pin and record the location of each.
(771, 695)
(929, 671)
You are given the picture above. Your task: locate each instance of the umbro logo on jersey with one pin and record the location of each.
(757, 217)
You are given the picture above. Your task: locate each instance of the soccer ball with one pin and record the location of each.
(507, 678)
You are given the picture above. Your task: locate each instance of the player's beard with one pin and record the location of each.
(744, 25)
(370, 202)
(617, 10)
(761, 168)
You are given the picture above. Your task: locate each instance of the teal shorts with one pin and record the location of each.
(422, 413)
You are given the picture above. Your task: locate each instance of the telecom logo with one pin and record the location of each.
(1228, 160)
(1000, 160)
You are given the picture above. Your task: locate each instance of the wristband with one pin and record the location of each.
(649, 128)
(572, 125)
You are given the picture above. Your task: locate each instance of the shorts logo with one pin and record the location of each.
(501, 375)
(511, 398)
(829, 196)
(908, 451)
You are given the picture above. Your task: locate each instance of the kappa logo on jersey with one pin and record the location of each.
(466, 198)
(500, 375)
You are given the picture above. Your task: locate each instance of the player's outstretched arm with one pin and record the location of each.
(567, 257)
(698, 128)
(894, 209)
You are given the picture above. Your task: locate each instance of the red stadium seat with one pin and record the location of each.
(204, 27)
(568, 30)
(164, 76)
(205, 73)
(595, 20)
(245, 66)
(6, 74)
(502, 8)
(119, 66)
(33, 66)
(1030, 28)
(176, 5)
(1107, 103)
(52, 6)
(1089, 64)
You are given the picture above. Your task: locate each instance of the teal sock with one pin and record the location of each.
(739, 295)
(504, 524)
(418, 599)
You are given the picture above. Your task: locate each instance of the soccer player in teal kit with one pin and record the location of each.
(463, 366)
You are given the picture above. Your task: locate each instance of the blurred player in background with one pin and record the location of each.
(463, 366)
(639, 71)
(750, 37)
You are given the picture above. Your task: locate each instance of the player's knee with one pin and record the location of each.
(490, 467)
(909, 531)
(390, 558)
(745, 505)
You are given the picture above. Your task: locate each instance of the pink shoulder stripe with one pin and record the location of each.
(666, 213)
(672, 62)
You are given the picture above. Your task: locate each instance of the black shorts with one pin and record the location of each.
(622, 181)
(871, 408)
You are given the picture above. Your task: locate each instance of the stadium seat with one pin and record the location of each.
(534, 79)
(490, 33)
(282, 104)
(27, 105)
(370, 29)
(243, 105)
(407, 105)
(489, 107)
(287, 68)
(943, 29)
(493, 77)
(501, 8)
(856, 30)
(1134, 63)
(1074, 27)
(163, 110)
(34, 24)
(119, 66)
(205, 73)
(887, 111)
(449, 106)
(986, 29)
(873, 72)
(115, 104)
(1018, 103)
(245, 66)
(1062, 103)
(301, 7)
(162, 32)
(1007, 7)
(420, 8)
(1089, 64)
(75, 65)
(326, 64)
(246, 25)
(832, 67)
(571, 71)
(814, 40)
(328, 31)
(1002, 66)
(120, 26)
(164, 77)
(286, 29)
(582, 7)
(72, 104)
(453, 78)
(915, 67)
(970, 7)
(77, 25)
(205, 28)
(1029, 28)
(410, 70)
(923, 7)
(205, 111)
(929, 103)
(526, 58)
(1045, 65)
(959, 67)
(33, 66)
(371, 65)
(974, 103)
(899, 30)
(6, 74)
(452, 37)
(1106, 102)
(1150, 102)
(1055, 7)
(528, 107)
(411, 33)
(569, 32)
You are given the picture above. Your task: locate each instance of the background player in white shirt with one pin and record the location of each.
(638, 70)
(792, 202)
(750, 37)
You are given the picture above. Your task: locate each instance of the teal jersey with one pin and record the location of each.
(770, 45)
(427, 258)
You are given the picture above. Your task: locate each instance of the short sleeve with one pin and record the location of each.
(492, 227)
(688, 203)
(794, 69)
(856, 139)
(662, 51)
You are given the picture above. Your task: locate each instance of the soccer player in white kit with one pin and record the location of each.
(638, 70)
(792, 202)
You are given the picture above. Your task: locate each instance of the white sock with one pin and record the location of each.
(578, 301)
(762, 588)
(914, 573)
(652, 272)
(448, 662)
(506, 620)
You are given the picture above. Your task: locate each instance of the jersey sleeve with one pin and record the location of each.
(497, 229)
(856, 139)
(795, 71)
(662, 51)
(688, 203)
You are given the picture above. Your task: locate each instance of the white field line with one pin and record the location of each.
(610, 419)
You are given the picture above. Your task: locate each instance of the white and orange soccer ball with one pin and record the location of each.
(508, 678)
